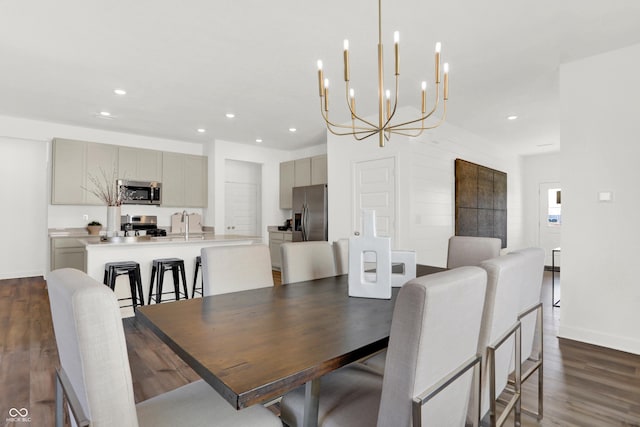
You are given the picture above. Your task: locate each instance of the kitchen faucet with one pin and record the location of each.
(185, 221)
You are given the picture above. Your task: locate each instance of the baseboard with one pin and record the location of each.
(21, 274)
(626, 344)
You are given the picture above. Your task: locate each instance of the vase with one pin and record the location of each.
(113, 220)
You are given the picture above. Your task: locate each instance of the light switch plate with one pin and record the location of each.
(605, 196)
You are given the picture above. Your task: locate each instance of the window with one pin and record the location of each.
(554, 215)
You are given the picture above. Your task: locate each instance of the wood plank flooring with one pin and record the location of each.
(585, 385)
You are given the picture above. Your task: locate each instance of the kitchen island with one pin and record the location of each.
(144, 250)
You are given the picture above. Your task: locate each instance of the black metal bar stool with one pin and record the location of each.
(195, 278)
(162, 265)
(114, 269)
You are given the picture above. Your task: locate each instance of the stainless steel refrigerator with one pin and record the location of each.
(310, 213)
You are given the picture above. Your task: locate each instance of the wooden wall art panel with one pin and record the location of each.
(481, 201)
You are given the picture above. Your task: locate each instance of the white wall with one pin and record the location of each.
(537, 169)
(425, 186)
(600, 244)
(23, 198)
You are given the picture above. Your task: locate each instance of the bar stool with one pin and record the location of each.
(114, 269)
(195, 277)
(160, 266)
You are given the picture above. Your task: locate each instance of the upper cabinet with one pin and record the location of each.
(138, 164)
(301, 172)
(184, 180)
(319, 170)
(183, 176)
(74, 163)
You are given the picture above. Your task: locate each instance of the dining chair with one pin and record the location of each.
(530, 317)
(341, 255)
(235, 268)
(307, 261)
(433, 339)
(468, 250)
(500, 335)
(95, 376)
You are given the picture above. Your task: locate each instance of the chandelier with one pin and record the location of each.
(361, 128)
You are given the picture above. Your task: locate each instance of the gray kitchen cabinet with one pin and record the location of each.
(287, 176)
(319, 169)
(67, 252)
(184, 180)
(301, 172)
(74, 162)
(276, 239)
(139, 164)
(68, 172)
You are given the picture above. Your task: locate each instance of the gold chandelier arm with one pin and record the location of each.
(354, 116)
(325, 116)
(426, 116)
(398, 129)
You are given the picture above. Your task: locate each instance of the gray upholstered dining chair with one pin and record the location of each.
(235, 268)
(434, 331)
(467, 250)
(95, 375)
(530, 317)
(500, 334)
(307, 261)
(341, 255)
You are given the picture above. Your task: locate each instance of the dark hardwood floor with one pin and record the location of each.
(585, 385)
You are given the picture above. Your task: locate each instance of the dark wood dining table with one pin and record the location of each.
(253, 346)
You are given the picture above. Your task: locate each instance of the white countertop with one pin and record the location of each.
(195, 238)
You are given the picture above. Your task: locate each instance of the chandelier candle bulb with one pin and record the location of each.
(446, 81)
(326, 94)
(352, 96)
(396, 42)
(320, 78)
(438, 47)
(388, 95)
(424, 97)
(346, 60)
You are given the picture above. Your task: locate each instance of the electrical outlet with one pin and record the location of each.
(85, 217)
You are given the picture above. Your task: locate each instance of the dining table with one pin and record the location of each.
(254, 346)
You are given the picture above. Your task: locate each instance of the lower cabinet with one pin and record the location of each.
(67, 252)
(277, 238)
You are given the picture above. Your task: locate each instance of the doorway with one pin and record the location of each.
(242, 196)
(375, 188)
(549, 219)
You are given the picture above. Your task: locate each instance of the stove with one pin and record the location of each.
(148, 223)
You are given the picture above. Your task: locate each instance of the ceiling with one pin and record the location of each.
(186, 64)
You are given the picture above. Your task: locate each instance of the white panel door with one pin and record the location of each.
(241, 206)
(375, 188)
(549, 219)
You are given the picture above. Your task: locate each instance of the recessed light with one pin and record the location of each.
(512, 117)
(201, 130)
(292, 129)
(258, 140)
(120, 91)
(230, 115)
(105, 114)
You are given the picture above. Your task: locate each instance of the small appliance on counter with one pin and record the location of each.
(136, 223)
(177, 223)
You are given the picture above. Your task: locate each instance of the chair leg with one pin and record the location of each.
(176, 281)
(132, 287)
(161, 272)
(138, 279)
(184, 281)
(195, 280)
(153, 275)
(113, 275)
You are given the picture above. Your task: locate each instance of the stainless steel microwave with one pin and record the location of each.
(140, 192)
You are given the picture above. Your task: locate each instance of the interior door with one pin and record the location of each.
(241, 206)
(549, 219)
(375, 188)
